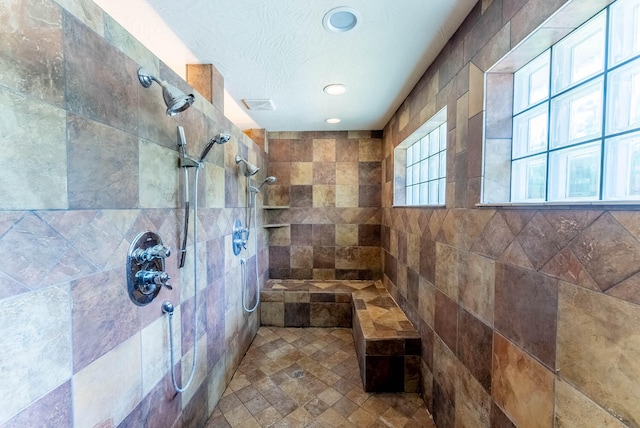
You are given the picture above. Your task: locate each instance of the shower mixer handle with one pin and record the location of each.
(148, 281)
(156, 252)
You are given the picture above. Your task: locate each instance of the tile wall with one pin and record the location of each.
(528, 317)
(329, 184)
(89, 160)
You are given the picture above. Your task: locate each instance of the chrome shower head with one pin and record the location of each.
(218, 139)
(175, 100)
(250, 169)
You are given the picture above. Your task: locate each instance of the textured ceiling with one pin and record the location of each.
(278, 50)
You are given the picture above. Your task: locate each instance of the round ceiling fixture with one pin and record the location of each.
(340, 19)
(335, 89)
(332, 120)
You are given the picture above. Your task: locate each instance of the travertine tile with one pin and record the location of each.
(575, 410)
(521, 386)
(346, 196)
(37, 176)
(597, 345)
(346, 235)
(32, 60)
(473, 402)
(160, 190)
(120, 386)
(35, 347)
(324, 195)
(301, 173)
(346, 172)
(477, 292)
(324, 150)
(526, 311)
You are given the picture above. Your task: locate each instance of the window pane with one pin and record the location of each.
(575, 173)
(580, 55)
(622, 167)
(416, 152)
(409, 156)
(424, 147)
(577, 115)
(434, 142)
(409, 196)
(433, 167)
(424, 171)
(529, 179)
(624, 31)
(433, 192)
(443, 136)
(530, 132)
(623, 98)
(416, 194)
(424, 194)
(443, 165)
(409, 177)
(441, 191)
(416, 174)
(531, 83)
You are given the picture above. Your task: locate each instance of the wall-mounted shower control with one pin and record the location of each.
(145, 268)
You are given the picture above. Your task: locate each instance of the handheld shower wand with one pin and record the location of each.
(218, 139)
(269, 180)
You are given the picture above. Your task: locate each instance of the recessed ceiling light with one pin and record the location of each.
(335, 89)
(332, 120)
(340, 19)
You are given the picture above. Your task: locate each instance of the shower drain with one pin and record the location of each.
(298, 374)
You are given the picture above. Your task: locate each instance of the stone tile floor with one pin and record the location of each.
(309, 377)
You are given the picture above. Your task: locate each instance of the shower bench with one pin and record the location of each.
(387, 344)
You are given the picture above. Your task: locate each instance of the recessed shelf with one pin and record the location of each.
(275, 225)
(275, 207)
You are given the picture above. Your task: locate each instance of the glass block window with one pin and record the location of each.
(421, 164)
(576, 114)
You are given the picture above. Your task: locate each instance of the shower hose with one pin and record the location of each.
(243, 261)
(195, 296)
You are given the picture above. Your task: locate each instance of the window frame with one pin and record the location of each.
(436, 123)
(500, 110)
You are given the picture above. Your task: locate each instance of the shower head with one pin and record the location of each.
(218, 139)
(269, 180)
(175, 100)
(250, 169)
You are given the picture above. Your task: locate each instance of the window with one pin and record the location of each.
(575, 117)
(421, 164)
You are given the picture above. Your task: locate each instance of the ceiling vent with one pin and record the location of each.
(259, 105)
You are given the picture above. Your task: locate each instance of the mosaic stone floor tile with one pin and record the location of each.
(315, 387)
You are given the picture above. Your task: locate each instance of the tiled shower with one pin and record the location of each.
(528, 317)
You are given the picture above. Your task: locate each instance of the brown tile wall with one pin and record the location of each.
(91, 162)
(528, 317)
(330, 182)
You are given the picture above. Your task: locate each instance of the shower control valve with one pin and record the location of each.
(156, 252)
(148, 281)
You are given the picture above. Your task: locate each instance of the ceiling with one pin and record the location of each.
(279, 50)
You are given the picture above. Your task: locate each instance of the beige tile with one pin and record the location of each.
(324, 150)
(346, 196)
(35, 347)
(476, 90)
(34, 172)
(448, 269)
(324, 195)
(521, 386)
(574, 410)
(330, 418)
(87, 12)
(473, 403)
(215, 186)
(160, 190)
(155, 348)
(301, 173)
(426, 301)
(362, 418)
(370, 150)
(477, 292)
(330, 396)
(346, 235)
(120, 386)
(598, 346)
(200, 371)
(347, 173)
